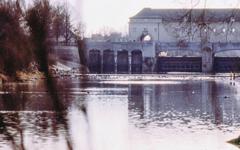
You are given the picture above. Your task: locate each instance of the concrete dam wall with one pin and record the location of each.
(151, 57)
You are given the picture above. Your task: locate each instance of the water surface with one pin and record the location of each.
(117, 115)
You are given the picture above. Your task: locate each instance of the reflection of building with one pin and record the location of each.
(202, 100)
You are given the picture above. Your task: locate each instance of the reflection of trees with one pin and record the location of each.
(38, 19)
(42, 124)
(216, 105)
(175, 102)
(136, 101)
(4, 130)
(10, 123)
(211, 103)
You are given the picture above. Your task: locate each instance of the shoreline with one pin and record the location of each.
(38, 76)
(152, 77)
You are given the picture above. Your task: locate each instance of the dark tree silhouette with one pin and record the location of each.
(15, 54)
(38, 19)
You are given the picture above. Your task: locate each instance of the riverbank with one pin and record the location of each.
(25, 76)
(154, 77)
(22, 76)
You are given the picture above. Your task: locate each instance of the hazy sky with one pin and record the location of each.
(114, 14)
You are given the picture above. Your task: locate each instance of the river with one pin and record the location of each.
(121, 115)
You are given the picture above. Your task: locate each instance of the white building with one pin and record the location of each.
(189, 25)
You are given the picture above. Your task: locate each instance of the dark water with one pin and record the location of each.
(115, 115)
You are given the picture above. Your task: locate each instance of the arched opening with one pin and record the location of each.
(207, 49)
(137, 60)
(108, 61)
(145, 37)
(122, 61)
(94, 61)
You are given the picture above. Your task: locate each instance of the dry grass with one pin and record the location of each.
(29, 76)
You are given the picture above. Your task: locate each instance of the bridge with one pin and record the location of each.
(146, 57)
(156, 57)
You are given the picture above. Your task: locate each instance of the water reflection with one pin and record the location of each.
(187, 114)
(207, 100)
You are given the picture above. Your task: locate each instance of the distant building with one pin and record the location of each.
(112, 37)
(165, 40)
(190, 25)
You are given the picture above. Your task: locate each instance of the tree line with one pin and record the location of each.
(27, 35)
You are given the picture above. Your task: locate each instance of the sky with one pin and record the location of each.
(99, 15)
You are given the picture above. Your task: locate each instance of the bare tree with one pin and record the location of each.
(39, 19)
(15, 54)
(57, 24)
(67, 33)
(80, 30)
(79, 35)
(196, 24)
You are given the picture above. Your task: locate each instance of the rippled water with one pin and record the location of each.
(115, 115)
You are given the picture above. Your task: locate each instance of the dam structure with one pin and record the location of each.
(171, 40)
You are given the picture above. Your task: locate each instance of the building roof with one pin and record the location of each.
(211, 15)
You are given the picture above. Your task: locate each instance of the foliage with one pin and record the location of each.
(61, 23)
(15, 49)
(26, 35)
(38, 19)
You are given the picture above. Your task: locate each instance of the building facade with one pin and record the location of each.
(189, 25)
(163, 40)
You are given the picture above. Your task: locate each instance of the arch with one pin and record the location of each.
(207, 49)
(146, 37)
(137, 60)
(94, 61)
(122, 61)
(108, 61)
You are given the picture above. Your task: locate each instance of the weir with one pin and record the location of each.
(152, 57)
(146, 57)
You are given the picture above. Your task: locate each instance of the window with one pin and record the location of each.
(134, 29)
(155, 29)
